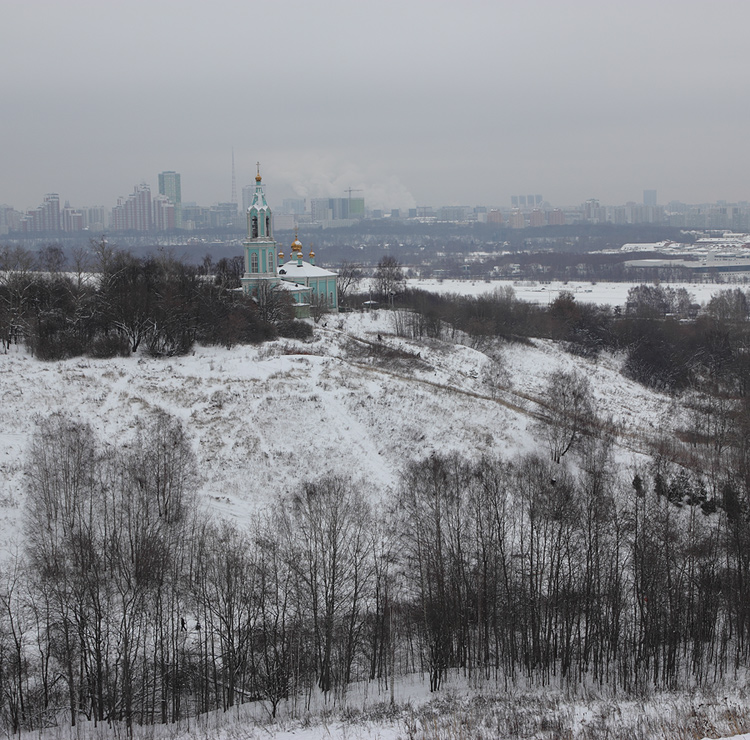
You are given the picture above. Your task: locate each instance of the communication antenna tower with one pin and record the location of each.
(234, 181)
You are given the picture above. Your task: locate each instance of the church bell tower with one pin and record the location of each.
(260, 247)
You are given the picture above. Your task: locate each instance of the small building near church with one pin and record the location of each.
(322, 283)
(306, 283)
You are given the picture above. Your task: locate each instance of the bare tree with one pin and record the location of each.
(274, 303)
(435, 527)
(327, 527)
(319, 306)
(728, 306)
(59, 520)
(570, 404)
(81, 263)
(349, 277)
(389, 277)
(16, 289)
(229, 270)
(273, 644)
(103, 253)
(228, 594)
(51, 259)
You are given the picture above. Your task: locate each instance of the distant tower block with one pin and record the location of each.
(169, 186)
(649, 197)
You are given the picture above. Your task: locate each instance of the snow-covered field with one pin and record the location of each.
(610, 294)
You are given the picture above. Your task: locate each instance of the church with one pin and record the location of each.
(307, 284)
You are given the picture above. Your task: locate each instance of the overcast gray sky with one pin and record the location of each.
(417, 102)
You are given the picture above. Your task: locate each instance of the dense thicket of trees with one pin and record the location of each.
(129, 605)
(157, 303)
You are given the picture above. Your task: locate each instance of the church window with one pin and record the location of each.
(254, 230)
(268, 226)
(254, 262)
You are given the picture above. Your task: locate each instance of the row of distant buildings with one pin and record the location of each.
(144, 211)
(164, 211)
(140, 211)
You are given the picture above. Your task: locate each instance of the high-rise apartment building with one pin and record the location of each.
(356, 207)
(135, 213)
(164, 211)
(44, 218)
(335, 209)
(10, 219)
(294, 206)
(170, 186)
(140, 202)
(537, 218)
(96, 218)
(517, 220)
(649, 197)
(223, 215)
(72, 219)
(320, 209)
(523, 201)
(51, 212)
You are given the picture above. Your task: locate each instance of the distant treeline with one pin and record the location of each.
(128, 605)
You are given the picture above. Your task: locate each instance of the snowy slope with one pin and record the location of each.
(265, 418)
(356, 401)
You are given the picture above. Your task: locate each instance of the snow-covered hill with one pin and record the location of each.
(356, 401)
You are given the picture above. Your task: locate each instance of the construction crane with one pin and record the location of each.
(352, 190)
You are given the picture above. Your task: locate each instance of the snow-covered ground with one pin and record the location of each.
(265, 418)
(357, 400)
(460, 710)
(610, 294)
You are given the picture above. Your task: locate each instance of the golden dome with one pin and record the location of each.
(257, 177)
(312, 255)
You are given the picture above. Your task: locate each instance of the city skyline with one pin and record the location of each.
(415, 103)
(172, 188)
(143, 212)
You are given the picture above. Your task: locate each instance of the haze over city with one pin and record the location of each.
(414, 103)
